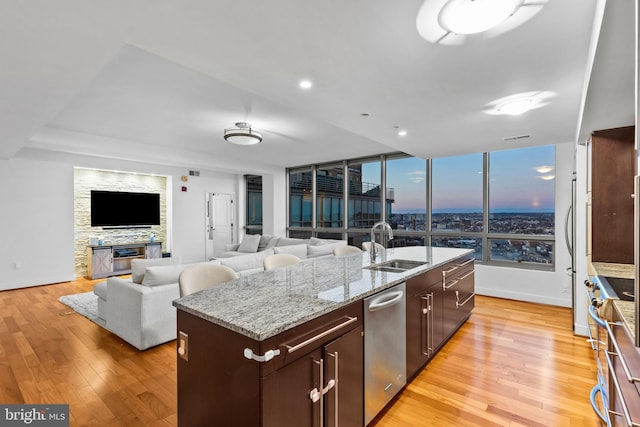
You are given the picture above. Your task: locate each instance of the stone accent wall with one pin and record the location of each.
(86, 180)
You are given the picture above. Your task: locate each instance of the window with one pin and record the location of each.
(253, 184)
(364, 194)
(300, 198)
(499, 204)
(330, 196)
(522, 196)
(457, 194)
(406, 195)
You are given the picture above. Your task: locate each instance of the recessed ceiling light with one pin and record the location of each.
(306, 84)
(476, 16)
(402, 132)
(547, 177)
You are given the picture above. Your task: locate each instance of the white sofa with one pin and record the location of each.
(259, 243)
(140, 309)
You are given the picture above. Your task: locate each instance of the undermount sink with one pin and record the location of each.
(396, 265)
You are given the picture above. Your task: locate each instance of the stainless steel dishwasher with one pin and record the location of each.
(384, 349)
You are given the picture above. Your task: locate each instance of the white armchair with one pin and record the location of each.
(144, 316)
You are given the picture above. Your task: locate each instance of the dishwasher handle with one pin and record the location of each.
(386, 300)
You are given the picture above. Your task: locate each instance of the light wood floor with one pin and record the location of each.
(511, 364)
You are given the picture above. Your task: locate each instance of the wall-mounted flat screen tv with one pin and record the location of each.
(122, 209)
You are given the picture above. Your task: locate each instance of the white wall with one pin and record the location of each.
(36, 223)
(36, 219)
(531, 285)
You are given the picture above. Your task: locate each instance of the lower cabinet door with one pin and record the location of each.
(286, 393)
(321, 389)
(344, 403)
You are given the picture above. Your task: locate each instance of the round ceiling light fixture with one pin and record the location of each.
(515, 107)
(520, 103)
(454, 22)
(242, 134)
(476, 16)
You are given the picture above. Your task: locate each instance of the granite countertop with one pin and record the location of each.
(609, 269)
(263, 305)
(627, 309)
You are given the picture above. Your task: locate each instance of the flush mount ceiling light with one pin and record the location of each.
(515, 107)
(520, 103)
(451, 22)
(242, 134)
(476, 16)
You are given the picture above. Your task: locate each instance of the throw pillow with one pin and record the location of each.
(298, 250)
(320, 250)
(249, 243)
(264, 242)
(138, 266)
(162, 274)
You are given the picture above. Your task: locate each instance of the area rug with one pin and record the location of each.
(85, 304)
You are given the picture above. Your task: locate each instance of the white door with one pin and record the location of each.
(220, 221)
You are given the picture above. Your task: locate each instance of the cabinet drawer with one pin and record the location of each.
(303, 339)
(457, 271)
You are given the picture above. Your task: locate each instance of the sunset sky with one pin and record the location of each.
(516, 185)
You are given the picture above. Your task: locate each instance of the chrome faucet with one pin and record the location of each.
(385, 226)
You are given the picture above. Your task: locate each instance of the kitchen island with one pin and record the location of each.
(268, 349)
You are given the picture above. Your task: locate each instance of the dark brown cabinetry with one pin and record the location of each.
(323, 388)
(458, 294)
(424, 319)
(612, 169)
(624, 395)
(438, 302)
(314, 379)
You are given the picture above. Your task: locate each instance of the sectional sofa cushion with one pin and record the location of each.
(287, 241)
(314, 241)
(249, 243)
(247, 261)
(298, 250)
(138, 266)
(321, 250)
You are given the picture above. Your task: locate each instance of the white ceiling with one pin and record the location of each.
(158, 81)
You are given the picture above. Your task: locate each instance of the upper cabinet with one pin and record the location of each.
(612, 167)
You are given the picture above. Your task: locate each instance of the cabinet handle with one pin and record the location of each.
(291, 349)
(452, 283)
(427, 334)
(448, 270)
(460, 304)
(316, 395)
(466, 275)
(466, 262)
(623, 362)
(336, 383)
(618, 391)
